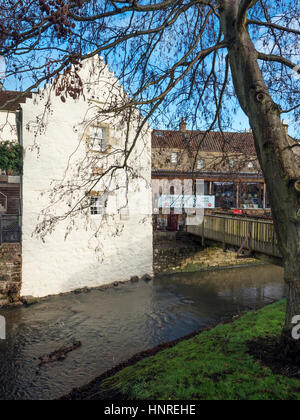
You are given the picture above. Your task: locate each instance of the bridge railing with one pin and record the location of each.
(258, 235)
(10, 228)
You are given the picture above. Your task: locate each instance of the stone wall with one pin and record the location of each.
(10, 273)
(171, 249)
(213, 161)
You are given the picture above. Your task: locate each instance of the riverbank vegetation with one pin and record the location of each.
(171, 257)
(11, 157)
(214, 257)
(214, 365)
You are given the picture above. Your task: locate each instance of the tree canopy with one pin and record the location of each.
(171, 56)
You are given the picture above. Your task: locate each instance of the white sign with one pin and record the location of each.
(2, 328)
(2, 67)
(296, 329)
(205, 202)
(296, 72)
(186, 201)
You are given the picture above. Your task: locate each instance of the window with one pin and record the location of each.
(98, 139)
(232, 163)
(206, 188)
(200, 164)
(250, 165)
(98, 205)
(199, 187)
(251, 196)
(224, 193)
(268, 205)
(174, 157)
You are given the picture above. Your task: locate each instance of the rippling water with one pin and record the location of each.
(114, 324)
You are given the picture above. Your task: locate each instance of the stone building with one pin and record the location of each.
(80, 227)
(226, 162)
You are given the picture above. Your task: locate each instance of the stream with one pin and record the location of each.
(114, 324)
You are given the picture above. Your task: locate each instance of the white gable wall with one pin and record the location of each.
(53, 153)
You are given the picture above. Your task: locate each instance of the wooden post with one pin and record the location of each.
(238, 196)
(224, 234)
(203, 233)
(250, 236)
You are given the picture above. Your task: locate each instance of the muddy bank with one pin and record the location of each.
(268, 351)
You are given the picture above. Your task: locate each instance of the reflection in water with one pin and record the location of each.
(116, 323)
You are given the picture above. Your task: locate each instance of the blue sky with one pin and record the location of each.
(239, 121)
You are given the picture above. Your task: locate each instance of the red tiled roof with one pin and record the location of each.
(210, 142)
(10, 100)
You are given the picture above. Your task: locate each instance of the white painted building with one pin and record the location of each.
(82, 227)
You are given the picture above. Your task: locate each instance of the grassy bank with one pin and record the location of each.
(213, 365)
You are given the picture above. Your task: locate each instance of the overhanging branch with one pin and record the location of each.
(274, 26)
(278, 59)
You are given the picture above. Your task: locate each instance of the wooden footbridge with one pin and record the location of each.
(256, 235)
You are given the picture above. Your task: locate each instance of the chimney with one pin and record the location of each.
(286, 126)
(183, 125)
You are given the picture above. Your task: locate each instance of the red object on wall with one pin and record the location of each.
(237, 211)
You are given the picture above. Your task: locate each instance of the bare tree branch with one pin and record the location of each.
(273, 25)
(278, 59)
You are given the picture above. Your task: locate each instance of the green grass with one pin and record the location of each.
(191, 267)
(214, 365)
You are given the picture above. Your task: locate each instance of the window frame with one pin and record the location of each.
(202, 165)
(106, 138)
(174, 161)
(97, 203)
(232, 163)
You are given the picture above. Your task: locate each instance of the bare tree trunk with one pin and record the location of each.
(275, 155)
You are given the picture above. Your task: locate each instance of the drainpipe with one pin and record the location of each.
(19, 124)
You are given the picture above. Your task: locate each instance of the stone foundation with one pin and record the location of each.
(171, 249)
(10, 273)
